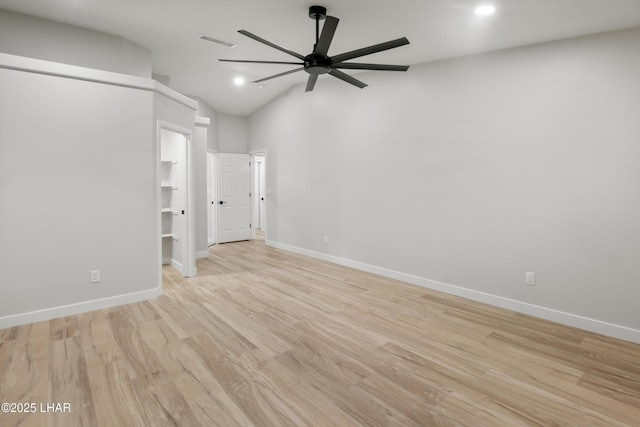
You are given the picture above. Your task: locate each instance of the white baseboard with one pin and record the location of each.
(175, 264)
(592, 325)
(202, 254)
(81, 307)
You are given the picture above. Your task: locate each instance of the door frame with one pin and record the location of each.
(261, 222)
(255, 191)
(212, 207)
(189, 264)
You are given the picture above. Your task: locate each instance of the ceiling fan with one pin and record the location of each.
(319, 62)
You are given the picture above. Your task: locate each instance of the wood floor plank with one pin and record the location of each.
(421, 411)
(535, 405)
(69, 383)
(115, 399)
(259, 400)
(264, 338)
(163, 403)
(207, 398)
(366, 408)
(25, 373)
(8, 334)
(64, 327)
(142, 359)
(317, 407)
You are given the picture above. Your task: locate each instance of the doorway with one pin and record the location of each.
(175, 198)
(260, 191)
(234, 198)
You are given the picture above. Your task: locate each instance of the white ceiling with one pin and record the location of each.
(437, 29)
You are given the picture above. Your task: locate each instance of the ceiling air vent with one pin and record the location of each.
(223, 43)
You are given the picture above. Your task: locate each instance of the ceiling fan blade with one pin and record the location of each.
(347, 78)
(279, 75)
(369, 50)
(313, 78)
(381, 67)
(268, 43)
(260, 62)
(328, 30)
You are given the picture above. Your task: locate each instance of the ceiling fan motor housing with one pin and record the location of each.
(317, 64)
(317, 12)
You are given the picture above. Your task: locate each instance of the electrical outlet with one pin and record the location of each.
(530, 279)
(95, 276)
(325, 239)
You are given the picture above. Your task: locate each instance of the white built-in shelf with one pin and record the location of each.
(166, 186)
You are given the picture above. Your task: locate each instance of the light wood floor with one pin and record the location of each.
(267, 338)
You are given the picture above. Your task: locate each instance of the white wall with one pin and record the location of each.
(78, 169)
(464, 174)
(33, 37)
(205, 110)
(233, 134)
(78, 193)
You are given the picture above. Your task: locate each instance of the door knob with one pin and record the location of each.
(221, 202)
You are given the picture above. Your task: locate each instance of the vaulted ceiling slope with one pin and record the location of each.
(437, 29)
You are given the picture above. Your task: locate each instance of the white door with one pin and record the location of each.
(211, 199)
(234, 202)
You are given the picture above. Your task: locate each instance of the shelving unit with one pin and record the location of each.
(167, 212)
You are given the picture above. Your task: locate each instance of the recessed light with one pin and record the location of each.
(485, 10)
(239, 81)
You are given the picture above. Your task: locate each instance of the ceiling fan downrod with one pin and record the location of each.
(318, 13)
